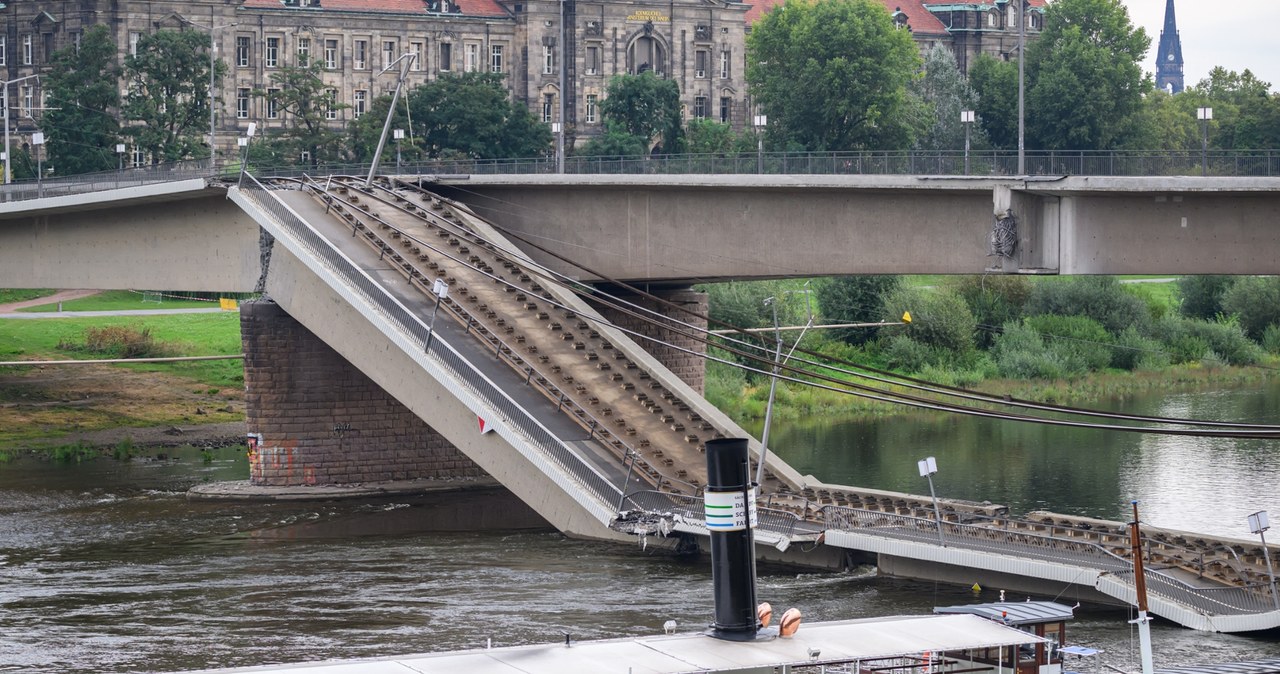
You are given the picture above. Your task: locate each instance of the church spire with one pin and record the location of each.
(1169, 58)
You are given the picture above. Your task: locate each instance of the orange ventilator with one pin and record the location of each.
(764, 613)
(790, 622)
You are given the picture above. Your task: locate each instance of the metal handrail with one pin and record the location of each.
(106, 180)
(1231, 600)
(691, 509)
(463, 373)
(504, 351)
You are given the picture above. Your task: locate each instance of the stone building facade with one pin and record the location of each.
(698, 43)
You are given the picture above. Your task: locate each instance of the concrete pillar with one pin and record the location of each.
(316, 419)
(690, 367)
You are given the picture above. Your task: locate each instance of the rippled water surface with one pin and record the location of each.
(106, 567)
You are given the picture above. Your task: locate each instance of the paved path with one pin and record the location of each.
(60, 296)
(118, 312)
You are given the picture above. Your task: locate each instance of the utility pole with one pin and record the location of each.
(8, 154)
(213, 69)
(1022, 87)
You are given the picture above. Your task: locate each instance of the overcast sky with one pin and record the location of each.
(1234, 35)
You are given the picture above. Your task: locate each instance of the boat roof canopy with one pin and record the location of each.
(815, 644)
(1015, 612)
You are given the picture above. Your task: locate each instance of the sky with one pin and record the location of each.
(1232, 34)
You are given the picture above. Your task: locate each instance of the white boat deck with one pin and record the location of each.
(830, 643)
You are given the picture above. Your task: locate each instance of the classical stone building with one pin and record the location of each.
(697, 43)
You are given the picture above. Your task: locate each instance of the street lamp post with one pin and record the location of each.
(37, 139)
(119, 162)
(398, 134)
(1205, 115)
(8, 173)
(1258, 524)
(213, 55)
(441, 290)
(966, 118)
(557, 129)
(760, 122)
(560, 97)
(928, 467)
(243, 141)
(1022, 87)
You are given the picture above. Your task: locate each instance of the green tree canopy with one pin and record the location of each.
(167, 105)
(465, 115)
(1245, 113)
(996, 84)
(304, 101)
(1085, 81)
(854, 299)
(645, 106)
(945, 93)
(833, 75)
(83, 92)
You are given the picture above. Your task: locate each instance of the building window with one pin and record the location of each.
(725, 66)
(273, 104)
(446, 56)
(1013, 17)
(27, 56)
(133, 43)
(75, 40)
(46, 40)
(726, 109)
(244, 47)
(416, 49)
(361, 99)
(304, 51)
(991, 19)
(591, 108)
(361, 59)
(592, 64)
(548, 59)
(548, 107)
(137, 158)
(331, 54)
(495, 64)
(331, 110)
(272, 56)
(242, 103)
(4, 48)
(700, 63)
(28, 100)
(471, 57)
(700, 107)
(388, 52)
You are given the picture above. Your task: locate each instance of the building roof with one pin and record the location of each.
(466, 7)
(919, 18)
(1015, 612)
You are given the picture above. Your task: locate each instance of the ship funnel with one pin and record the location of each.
(730, 509)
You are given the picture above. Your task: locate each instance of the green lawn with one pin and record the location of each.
(190, 334)
(121, 300)
(8, 295)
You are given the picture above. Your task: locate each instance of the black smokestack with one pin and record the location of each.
(733, 562)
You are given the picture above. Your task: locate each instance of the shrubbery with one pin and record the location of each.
(1255, 301)
(1076, 339)
(120, 341)
(1101, 298)
(939, 318)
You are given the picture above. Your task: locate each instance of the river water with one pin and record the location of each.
(106, 567)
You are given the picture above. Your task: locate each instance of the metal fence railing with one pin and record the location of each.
(691, 509)
(462, 372)
(1248, 598)
(991, 163)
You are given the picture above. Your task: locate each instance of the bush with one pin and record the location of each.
(1020, 353)
(1074, 338)
(1271, 339)
(854, 299)
(119, 341)
(939, 318)
(1132, 351)
(1101, 298)
(1256, 301)
(907, 355)
(1188, 340)
(994, 299)
(1202, 295)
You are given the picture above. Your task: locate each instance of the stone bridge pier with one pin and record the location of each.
(314, 419)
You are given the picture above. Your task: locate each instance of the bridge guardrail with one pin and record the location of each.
(691, 508)
(464, 374)
(105, 180)
(1211, 601)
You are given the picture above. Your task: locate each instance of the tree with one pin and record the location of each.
(996, 84)
(1245, 114)
(168, 98)
(832, 75)
(645, 106)
(1202, 295)
(83, 94)
(467, 115)
(301, 97)
(1255, 301)
(614, 142)
(1085, 79)
(939, 317)
(944, 94)
(854, 299)
(1165, 122)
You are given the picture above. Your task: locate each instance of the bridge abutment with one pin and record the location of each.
(678, 352)
(316, 419)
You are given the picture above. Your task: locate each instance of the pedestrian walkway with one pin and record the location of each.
(118, 312)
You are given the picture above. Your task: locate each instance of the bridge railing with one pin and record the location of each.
(463, 373)
(691, 509)
(105, 180)
(1250, 598)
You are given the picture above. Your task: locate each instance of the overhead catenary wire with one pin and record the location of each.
(836, 385)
